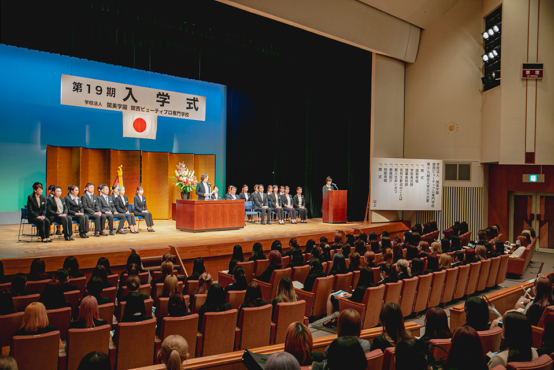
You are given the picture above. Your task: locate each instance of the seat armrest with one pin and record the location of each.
(345, 304)
(266, 289)
(238, 337)
(309, 298)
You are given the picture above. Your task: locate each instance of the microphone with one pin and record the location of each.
(335, 185)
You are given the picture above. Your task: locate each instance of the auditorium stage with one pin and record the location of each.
(215, 246)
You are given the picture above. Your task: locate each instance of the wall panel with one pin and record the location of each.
(154, 182)
(174, 159)
(130, 159)
(62, 166)
(95, 167)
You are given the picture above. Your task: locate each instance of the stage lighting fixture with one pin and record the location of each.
(485, 57)
(495, 28)
(485, 35)
(491, 32)
(491, 55)
(495, 52)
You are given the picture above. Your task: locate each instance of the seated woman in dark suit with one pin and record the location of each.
(56, 211)
(88, 315)
(35, 321)
(135, 310)
(339, 264)
(76, 211)
(432, 264)
(299, 202)
(141, 210)
(121, 204)
(198, 269)
(100, 272)
(288, 205)
(297, 259)
(36, 207)
(240, 280)
(277, 205)
(316, 271)
(417, 267)
(215, 302)
(275, 263)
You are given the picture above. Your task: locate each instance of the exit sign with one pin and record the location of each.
(532, 70)
(533, 178)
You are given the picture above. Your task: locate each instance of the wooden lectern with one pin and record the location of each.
(334, 206)
(212, 215)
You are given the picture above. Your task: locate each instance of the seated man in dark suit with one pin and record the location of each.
(232, 194)
(215, 194)
(260, 204)
(106, 207)
(90, 208)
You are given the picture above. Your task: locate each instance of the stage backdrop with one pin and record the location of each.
(32, 118)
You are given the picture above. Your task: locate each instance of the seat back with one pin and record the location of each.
(37, 286)
(342, 282)
(542, 363)
(73, 297)
(285, 314)
(5, 286)
(440, 348)
(235, 298)
(483, 275)
(24, 351)
(20, 303)
(80, 282)
(260, 266)
(255, 326)
(143, 289)
(60, 319)
(450, 284)
(537, 336)
(355, 279)
(110, 292)
(135, 343)
(276, 277)
(299, 273)
(373, 306)
(158, 290)
(437, 288)
(376, 274)
(374, 359)
(392, 292)
(224, 279)
(148, 303)
(81, 342)
(474, 270)
(547, 310)
(105, 312)
(185, 326)
(191, 286)
(389, 360)
(409, 290)
(285, 261)
(423, 291)
(248, 270)
(493, 274)
(329, 266)
(461, 282)
(113, 279)
(197, 302)
(162, 307)
(503, 269)
(322, 289)
(218, 330)
(490, 339)
(9, 324)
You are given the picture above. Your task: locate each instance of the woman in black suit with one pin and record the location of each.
(288, 204)
(75, 209)
(141, 210)
(122, 206)
(36, 206)
(56, 210)
(277, 205)
(299, 203)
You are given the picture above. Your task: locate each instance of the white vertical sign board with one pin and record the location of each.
(406, 184)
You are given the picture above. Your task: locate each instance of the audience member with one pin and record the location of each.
(547, 336)
(543, 299)
(354, 262)
(63, 276)
(436, 324)
(237, 255)
(432, 264)
(253, 297)
(344, 353)
(445, 261)
(173, 352)
(480, 253)
(466, 352)
(392, 320)
(257, 252)
(52, 296)
(316, 271)
(282, 361)
(88, 315)
(276, 246)
(518, 341)
(275, 263)
(204, 283)
(469, 256)
(403, 269)
(38, 271)
(19, 283)
(424, 249)
(171, 285)
(215, 302)
(176, 307)
(7, 363)
(339, 264)
(412, 355)
(285, 292)
(135, 310)
(95, 361)
(198, 269)
(388, 274)
(239, 279)
(299, 343)
(417, 267)
(72, 266)
(297, 258)
(94, 288)
(477, 313)
(370, 259)
(35, 320)
(103, 261)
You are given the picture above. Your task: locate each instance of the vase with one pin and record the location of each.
(185, 194)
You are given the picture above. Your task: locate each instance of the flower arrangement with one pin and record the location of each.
(184, 178)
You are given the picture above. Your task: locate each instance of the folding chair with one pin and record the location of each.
(25, 216)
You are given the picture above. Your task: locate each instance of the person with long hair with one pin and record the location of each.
(424, 249)
(297, 259)
(466, 352)
(18, 285)
(388, 274)
(135, 310)
(350, 325)
(103, 261)
(543, 299)
(237, 255)
(198, 269)
(275, 263)
(100, 272)
(339, 264)
(285, 292)
(140, 209)
(518, 341)
(436, 324)
(432, 264)
(547, 347)
(252, 298)
(481, 252)
(72, 266)
(276, 246)
(88, 315)
(37, 271)
(397, 253)
(469, 256)
(282, 361)
(35, 320)
(392, 320)
(310, 244)
(344, 353)
(173, 352)
(412, 355)
(445, 261)
(94, 288)
(316, 271)
(215, 302)
(417, 267)
(257, 252)
(7, 363)
(52, 296)
(354, 262)
(239, 279)
(95, 361)
(299, 343)
(385, 243)
(176, 307)
(477, 313)
(121, 204)
(403, 269)
(166, 269)
(277, 205)
(171, 285)
(204, 283)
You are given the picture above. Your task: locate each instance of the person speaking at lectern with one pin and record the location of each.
(329, 185)
(203, 188)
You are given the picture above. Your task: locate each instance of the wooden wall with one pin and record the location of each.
(152, 170)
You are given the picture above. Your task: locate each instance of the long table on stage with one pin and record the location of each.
(211, 215)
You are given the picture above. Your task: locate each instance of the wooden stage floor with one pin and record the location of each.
(16, 255)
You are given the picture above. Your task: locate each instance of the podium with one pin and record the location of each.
(334, 206)
(211, 215)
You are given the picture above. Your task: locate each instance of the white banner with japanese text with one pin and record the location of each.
(90, 93)
(406, 184)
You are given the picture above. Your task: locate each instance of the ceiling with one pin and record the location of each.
(421, 13)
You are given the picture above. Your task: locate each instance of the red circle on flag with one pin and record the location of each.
(139, 125)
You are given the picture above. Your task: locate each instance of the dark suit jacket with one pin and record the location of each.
(200, 191)
(90, 206)
(242, 196)
(121, 204)
(140, 206)
(73, 206)
(325, 189)
(83, 324)
(284, 200)
(35, 209)
(216, 196)
(266, 275)
(52, 209)
(105, 205)
(228, 196)
(295, 201)
(273, 200)
(260, 200)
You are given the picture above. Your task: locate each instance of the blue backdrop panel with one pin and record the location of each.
(32, 117)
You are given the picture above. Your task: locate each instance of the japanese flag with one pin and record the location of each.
(140, 125)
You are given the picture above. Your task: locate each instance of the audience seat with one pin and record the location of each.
(143, 289)
(490, 339)
(328, 266)
(73, 297)
(158, 289)
(374, 359)
(389, 359)
(285, 260)
(105, 312)
(376, 274)
(224, 279)
(299, 273)
(355, 279)
(450, 284)
(218, 332)
(80, 283)
(409, 291)
(285, 314)
(484, 275)
(440, 348)
(185, 326)
(235, 298)
(158, 274)
(111, 293)
(148, 303)
(547, 310)
(437, 288)
(474, 270)
(423, 290)
(9, 324)
(37, 286)
(269, 290)
(537, 336)
(80, 342)
(113, 279)
(542, 363)
(255, 327)
(260, 266)
(24, 351)
(316, 300)
(392, 292)
(370, 307)
(60, 319)
(248, 270)
(191, 286)
(5, 286)
(493, 273)
(517, 265)
(343, 282)
(20, 303)
(461, 283)
(143, 276)
(197, 301)
(134, 342)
